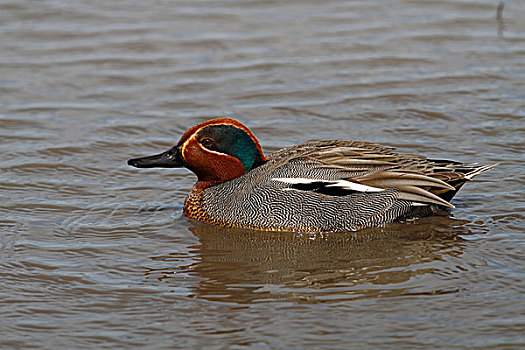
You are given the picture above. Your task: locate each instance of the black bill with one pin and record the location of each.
(169, 159)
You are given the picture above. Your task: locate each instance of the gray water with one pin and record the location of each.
(96, 254)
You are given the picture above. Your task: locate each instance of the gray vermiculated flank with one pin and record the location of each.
(255, 200)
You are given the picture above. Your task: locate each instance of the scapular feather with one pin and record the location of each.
(422, 195)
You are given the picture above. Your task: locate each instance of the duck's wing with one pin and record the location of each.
(369, 167)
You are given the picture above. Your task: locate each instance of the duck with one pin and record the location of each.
(316, 186)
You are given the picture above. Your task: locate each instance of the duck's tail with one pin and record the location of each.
(458, 177)
(479, 170)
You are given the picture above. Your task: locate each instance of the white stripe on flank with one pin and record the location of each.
(296, 180)
(354, 186)
(347, 185)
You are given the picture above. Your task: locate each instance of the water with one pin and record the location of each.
(96, 254)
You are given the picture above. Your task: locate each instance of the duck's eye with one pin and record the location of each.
(207, 142)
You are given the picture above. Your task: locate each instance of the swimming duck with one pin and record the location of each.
(317, 186)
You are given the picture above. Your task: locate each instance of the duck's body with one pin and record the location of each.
(316, 186)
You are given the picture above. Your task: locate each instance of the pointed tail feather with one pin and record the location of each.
(458, 183)
(479, 170)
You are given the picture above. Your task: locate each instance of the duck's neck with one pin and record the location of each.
(202, 185)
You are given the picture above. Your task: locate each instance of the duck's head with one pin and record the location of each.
(216, 151)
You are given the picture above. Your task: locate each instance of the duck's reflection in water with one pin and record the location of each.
(248, 266)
